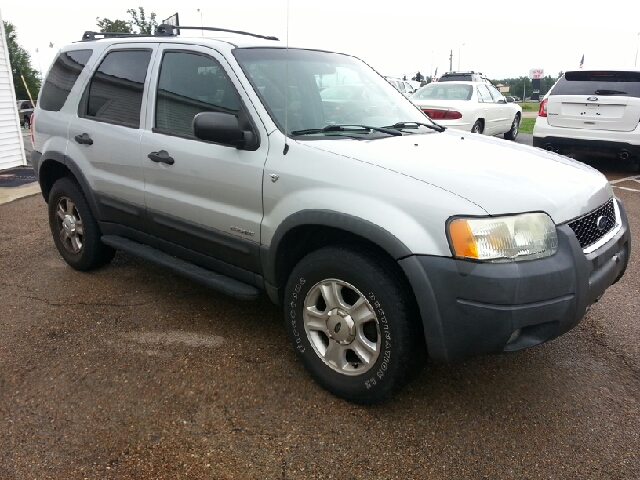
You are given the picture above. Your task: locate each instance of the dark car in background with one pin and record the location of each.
(25, 109)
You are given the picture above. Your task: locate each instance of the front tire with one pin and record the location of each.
(74, 228)
(352, 324)
(515, 125)
(26, 123)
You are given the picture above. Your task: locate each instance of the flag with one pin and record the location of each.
(582, 61)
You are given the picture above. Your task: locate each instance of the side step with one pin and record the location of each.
(211, 279)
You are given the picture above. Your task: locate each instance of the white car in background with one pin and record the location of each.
(591, 111)
(476, 107)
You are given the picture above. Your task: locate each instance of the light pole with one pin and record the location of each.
(201, 24)
(635, 64)
(39, 66)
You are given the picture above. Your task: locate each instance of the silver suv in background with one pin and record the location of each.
(591, 111)
(384, 236)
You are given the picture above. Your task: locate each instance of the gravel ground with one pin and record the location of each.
(131, 372)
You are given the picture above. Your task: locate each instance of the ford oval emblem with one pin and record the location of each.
(593, 99)
(602, 223)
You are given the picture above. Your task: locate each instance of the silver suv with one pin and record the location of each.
(384, 236)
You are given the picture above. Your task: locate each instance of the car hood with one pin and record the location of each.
(499, 176)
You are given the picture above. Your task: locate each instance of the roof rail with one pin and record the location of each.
(166, 30)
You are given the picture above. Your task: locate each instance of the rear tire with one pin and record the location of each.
(353, 325)
(478, 127)
(74, 228)
(26, 123)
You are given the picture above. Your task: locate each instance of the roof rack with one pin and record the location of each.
(166, 30)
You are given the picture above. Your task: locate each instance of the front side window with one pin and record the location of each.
(116, 89)
(62, 77)
(495, 93)
(191, 83)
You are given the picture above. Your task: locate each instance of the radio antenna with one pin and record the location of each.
(286, 91)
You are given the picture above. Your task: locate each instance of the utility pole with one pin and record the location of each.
(451, 61)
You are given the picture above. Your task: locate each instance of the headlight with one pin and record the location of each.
(502, 239)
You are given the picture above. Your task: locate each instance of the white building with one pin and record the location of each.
(11, 143)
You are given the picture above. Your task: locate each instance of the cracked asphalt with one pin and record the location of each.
(132, 372)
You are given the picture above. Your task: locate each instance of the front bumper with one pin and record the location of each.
(471, 308)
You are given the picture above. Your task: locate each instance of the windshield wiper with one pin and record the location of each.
(345, 128)
(610, 92)
(434, 126)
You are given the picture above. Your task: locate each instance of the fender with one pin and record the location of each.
(59, 157)
(329, 218)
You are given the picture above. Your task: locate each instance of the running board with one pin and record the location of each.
(211, 279)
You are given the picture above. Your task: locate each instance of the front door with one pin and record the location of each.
(201, 196)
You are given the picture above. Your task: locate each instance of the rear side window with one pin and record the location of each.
(599, 83)
(115, 91)
(62, 77)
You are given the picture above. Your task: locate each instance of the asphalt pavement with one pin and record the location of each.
(133, 372)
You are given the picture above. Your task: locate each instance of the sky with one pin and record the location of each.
(499, 39)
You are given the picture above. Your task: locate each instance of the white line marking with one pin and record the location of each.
(629, 189)
(634, 178)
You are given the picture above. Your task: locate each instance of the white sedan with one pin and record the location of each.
(472, 106)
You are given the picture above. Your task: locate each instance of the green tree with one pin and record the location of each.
(146, 27)
(120, 26)
(138, 23)
(21, 66)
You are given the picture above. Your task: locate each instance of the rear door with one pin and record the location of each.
(590, 100)
(104, 138)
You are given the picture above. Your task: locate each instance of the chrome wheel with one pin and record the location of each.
(342, 327)
(70, 226)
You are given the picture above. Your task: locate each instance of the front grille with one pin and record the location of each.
(586, 227)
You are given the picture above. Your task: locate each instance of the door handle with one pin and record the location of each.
(161, 157)
(84, 139)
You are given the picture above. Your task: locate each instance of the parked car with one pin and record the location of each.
(463, 77)
(403, 86)
(591, 111)
(25, 109)
(475, 107)
(385, 238)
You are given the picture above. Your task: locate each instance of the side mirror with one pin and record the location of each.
(223, 128)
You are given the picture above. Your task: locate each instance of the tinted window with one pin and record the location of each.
(189, 84)
(115, 92)
(62, 77)
(598, 83)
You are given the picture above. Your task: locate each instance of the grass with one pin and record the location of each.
(526, 125)
(529, 107)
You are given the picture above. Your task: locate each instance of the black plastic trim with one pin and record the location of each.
(213, 243)
(577, 145)
(328, 218)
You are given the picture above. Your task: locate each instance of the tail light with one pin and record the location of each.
(542, 111)
(437, 114)
(33, 141)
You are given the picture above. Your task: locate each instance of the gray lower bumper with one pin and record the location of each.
(472, 308)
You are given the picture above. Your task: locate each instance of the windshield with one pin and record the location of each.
(438, 91)
(323, 89)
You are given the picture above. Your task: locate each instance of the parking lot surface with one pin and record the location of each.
(132, 372)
